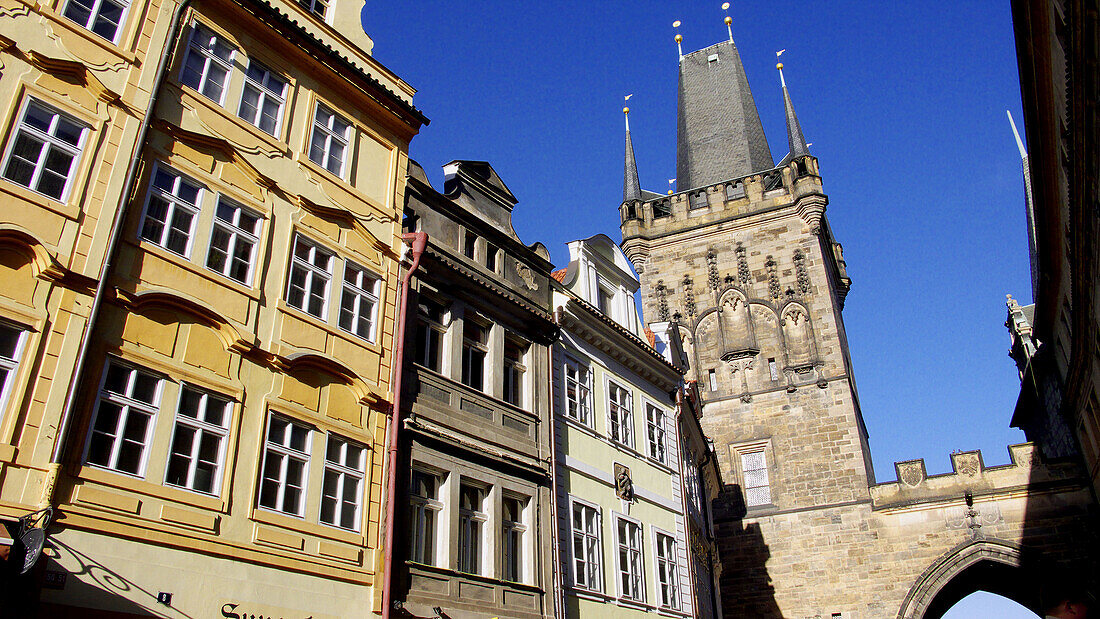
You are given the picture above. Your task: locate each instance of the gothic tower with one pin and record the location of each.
(742, 263)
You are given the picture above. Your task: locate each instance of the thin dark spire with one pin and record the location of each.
(632, 189)
(795, 141)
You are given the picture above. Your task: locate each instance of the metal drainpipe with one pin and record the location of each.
(559, 589)
(419, 243)
(60, 440)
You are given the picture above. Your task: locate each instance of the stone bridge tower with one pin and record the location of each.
(741, 262)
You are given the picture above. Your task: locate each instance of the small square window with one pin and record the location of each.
(317, 7)
(11, 349)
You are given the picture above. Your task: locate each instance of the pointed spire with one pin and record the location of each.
(632, 189)
(795, 141)
(1029, 204)
(718, 132)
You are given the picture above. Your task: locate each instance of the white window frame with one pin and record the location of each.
(358, 293)
(471, 559)
(237, 236)
(10, 365)
(128, 406)
(311, 273)
(208, 59)
(264, 94)
(330, 135)
(657, 444)
(513, 543)
(285, 453)
(637, 570)
(472, 348)
(515, 371)
(583, 402)
(311, 7)
(49, 142)
(201, 428)
(625, 428)
(420, 506)
(667, 565)
(95, 12)
(173, 207)
(590, 540)
(429, 325)
(345, 472)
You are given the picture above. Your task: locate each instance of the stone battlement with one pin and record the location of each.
(737, 197)
(1027, 472)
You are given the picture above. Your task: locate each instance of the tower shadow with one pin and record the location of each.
(744, 556)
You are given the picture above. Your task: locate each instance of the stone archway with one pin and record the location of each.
(989, 565)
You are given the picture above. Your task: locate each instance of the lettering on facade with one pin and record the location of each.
(233, 610)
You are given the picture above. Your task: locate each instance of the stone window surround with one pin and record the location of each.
(737, 450)
(451, 471)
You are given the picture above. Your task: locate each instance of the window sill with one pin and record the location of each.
(65, 209)
(187, 264)
(301, 525)
(187, 93)
(336, 331)
(109, 46)
(136, 484)
(313, 167)
(478, 577)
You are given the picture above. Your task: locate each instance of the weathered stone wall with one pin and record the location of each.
(756, 284)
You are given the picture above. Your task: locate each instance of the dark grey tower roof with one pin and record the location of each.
(719, 135)
(632, 189)
(795, 141)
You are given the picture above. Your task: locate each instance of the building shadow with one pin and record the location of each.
(744, 557)
(100, 591)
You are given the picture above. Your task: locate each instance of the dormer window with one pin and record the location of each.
(604, 298)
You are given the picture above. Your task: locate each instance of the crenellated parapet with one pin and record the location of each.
(795, 183)
(1026, 473)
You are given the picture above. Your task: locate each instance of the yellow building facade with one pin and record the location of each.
(222, 451)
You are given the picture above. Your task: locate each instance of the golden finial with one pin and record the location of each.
(626, 110)
(779, 67)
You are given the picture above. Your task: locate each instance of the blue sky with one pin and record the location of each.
(904, 104)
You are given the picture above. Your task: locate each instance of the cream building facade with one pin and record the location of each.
(621, 530)
(223, 448)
